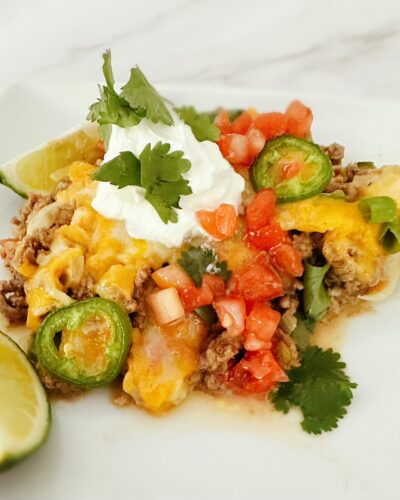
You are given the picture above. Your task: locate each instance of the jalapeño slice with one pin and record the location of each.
(293, 167)
(85, 343)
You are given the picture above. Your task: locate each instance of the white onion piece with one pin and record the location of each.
(166, 306)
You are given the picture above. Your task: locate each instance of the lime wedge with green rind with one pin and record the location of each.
(25, 416)
(35, 171)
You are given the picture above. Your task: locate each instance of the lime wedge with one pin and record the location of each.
(35, 171)
(24, 409)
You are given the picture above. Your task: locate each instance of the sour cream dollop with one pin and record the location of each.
(211, 177)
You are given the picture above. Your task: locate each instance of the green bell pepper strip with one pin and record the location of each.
(312, 178)
(72, 318)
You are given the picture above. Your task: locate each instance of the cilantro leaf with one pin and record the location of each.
(107, 70)
(221, 268)
(121, 171)
(316, 298)
(203, 127)
(197, 261)
(139, 93)
(319, 387)
(142, 100)
(112, 109)
(161, 176)
(157, 170)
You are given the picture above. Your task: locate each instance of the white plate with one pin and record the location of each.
(205, 448)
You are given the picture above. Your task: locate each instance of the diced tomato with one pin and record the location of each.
(223, 122)
(288, 258)
(290, 169)
(231, 312)
(261, 324)
(216, 283)
(235, 148)
(242, 123)
(271, 124)
(256, 141)
(266, 237)
(193, 297)
(257, 373)
(261, 210)
(226, 220)
(253, 343)
(299, 119)
(172, 276)
(256, 282)
(221, 223)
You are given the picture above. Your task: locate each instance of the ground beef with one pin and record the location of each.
(40, 240)
(348, 180)
(84, 290)
(140, 281)
(57, 387)
(143, 287)
(12, 299)
(214, 361)
(34, 203)
(306, 243)
(335, 152)
(7, 250)
(26, 247)
(345, 300)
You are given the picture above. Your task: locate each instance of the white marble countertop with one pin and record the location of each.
(346, 47)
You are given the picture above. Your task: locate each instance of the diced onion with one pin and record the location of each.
(166, 306)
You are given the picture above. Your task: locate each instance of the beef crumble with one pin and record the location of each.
(12, 299)
(25, 247)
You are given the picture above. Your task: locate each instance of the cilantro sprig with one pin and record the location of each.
(319, 387)
(157, 170)
(121, 171)
(138, 100)
(197, 261)
(161, 176)
(202, 124)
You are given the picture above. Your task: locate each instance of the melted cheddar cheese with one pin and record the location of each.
(349, 241)
(161, 361)
(91, 249)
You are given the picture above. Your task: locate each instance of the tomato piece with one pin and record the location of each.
(172, 276)
(221, 223)
(261, 210)
(226, 220)
(216, 283)
(256, 141)
(235, 148)
(257, 282)
(299, 119)
(266, 237)
(193, 297)
(242, 123)
(290, 169)
(223, 122)
(271, 124)
(288, 258)
(231, 312)
(257, 373)
(261, 324)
